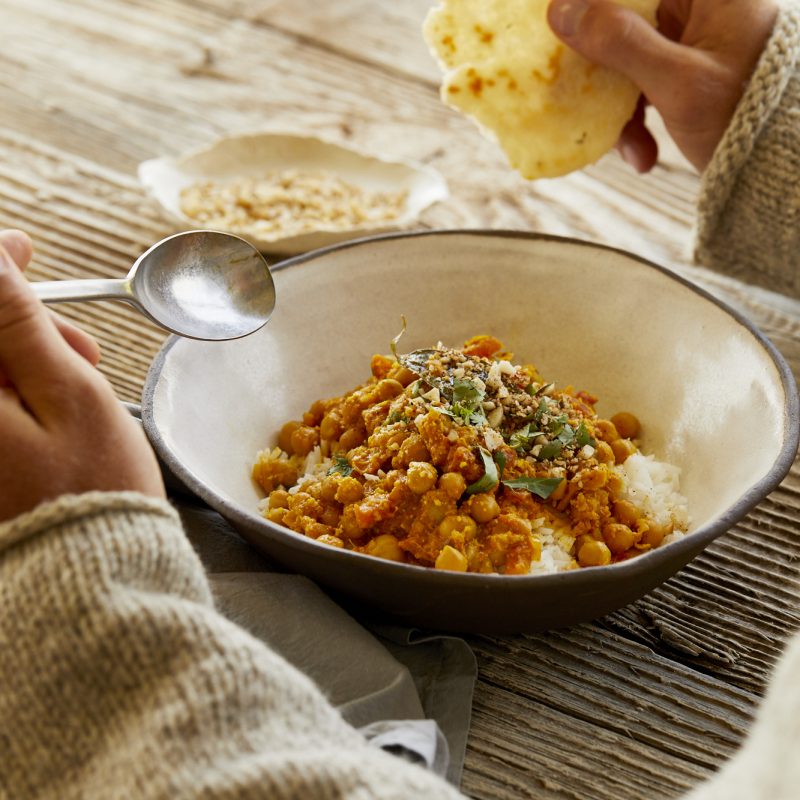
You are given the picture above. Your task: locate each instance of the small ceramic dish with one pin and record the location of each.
(713, 395)
(256, 155)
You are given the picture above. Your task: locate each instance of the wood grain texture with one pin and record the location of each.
(641, 704)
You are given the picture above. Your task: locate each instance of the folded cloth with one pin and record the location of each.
(408, 691)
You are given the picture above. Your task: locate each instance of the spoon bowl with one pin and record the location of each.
(199, 284)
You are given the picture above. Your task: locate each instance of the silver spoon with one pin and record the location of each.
(198, 284)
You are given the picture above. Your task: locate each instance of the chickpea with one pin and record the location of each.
(593, 478)
(381, 366)
(623, 449)
(314, 529)
(655, 533)
(603, 452)
(433, 510)
(615, 485)
(330, 539)
(304, 440)
(451, 559)
(331, 427)
(330, 516)
(626, 424)
(276, 515)
(329, 487)
(351, 438)
(318, 410)
(453, 484)
(594, 554)
(304, 504)
(388, 388)
(385, 546)
(626, 512)
(279, 499)
(606, 430)
(412, 449)
(458, 523)
(483, 507)
(349, 491)
(285, 436)
(421, 476)
(619, 538)
(581, 540)
(348, 525)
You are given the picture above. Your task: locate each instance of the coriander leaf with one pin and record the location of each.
(467, 394)
(550, 450)
(522, 439)
(393, 343)
(489, 479)
(541, 410)
(340, 465)
(541, 487)
(583, 437)
(566, 435)
(500, 458)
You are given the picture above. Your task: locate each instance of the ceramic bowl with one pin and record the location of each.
(257, 154)
(713, 395)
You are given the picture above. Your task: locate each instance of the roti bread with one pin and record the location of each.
(550, 110)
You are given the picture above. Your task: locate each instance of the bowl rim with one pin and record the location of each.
(685, 548)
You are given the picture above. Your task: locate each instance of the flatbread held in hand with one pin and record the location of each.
(549, 109)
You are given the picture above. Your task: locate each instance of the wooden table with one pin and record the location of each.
(641, 704)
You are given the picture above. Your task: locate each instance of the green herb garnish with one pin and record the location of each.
(541, 487)
(341, 466)
(490, 478)
(566, 434)
(543, 408)
(500, 458)
(550, 450)
(467, 393)
(417, 362)
(467, 402)
(522, 439)
(393, 343)
(583, 437)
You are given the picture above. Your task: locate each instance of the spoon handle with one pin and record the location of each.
(92, 289)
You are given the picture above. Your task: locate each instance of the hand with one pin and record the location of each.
(693, 69)
(18, 245)
(62, 430)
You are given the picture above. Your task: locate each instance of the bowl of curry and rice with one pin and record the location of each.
(480, 431)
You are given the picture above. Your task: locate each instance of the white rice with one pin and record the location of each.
(654, 488)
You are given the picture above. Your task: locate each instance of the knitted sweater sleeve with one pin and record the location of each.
(119, 679)
(749, 205)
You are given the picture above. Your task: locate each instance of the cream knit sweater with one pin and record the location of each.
(749, 206)
(119, 680)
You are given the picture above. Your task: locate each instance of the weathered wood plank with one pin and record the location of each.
(587, 714)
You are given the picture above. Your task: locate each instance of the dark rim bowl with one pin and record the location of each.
(457, 601)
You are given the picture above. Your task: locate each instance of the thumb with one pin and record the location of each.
(32, 353)
(614, 36)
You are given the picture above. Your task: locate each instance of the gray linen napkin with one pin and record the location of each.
(407, 691)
